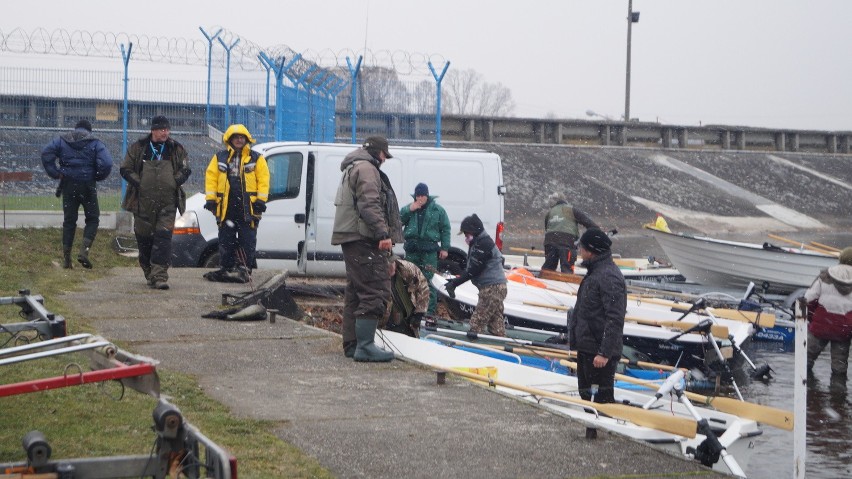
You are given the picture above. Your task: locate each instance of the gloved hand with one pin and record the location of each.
(259, 206)
(415, 319)
(451, 288)
(210, 206)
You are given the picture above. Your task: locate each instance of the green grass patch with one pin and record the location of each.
(106, 202)
(100, 419)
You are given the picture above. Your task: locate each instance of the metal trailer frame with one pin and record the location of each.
(108, 363)
(179, 448)
(47, 324)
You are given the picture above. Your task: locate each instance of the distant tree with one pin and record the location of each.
(425, 97)
(379, 90)
(465, 93)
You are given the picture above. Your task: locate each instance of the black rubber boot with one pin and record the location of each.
(66, 258)
(349, 348)
(366, 350)
(83, 257)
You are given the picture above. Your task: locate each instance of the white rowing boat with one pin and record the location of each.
(531, 306)
(667, 425)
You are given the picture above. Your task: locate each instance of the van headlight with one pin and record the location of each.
(187, 224)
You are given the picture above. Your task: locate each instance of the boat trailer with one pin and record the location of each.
(38, 319)
(181, 450)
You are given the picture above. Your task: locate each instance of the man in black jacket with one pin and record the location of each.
(596, 324)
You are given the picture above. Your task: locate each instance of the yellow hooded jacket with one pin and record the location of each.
(254, 174)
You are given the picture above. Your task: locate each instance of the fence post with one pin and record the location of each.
(123, 218)
(353, 73)
(228, 80)
(438, 80)
(209, 65)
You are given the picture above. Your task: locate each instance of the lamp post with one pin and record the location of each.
(632, 17)
(596, 114)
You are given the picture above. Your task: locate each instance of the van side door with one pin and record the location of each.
(281, 232)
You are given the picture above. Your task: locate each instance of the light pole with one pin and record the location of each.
(595, 114)
(632, 17)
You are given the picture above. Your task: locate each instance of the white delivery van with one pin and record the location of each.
(295, 232)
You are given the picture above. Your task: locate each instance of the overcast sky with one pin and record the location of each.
(770, 63)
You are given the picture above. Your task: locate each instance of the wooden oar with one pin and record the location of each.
(557, 276)
(825, 247)
(716, 330)
(641, 417)
(765, 414)
(765, 320)
(802, 245)
(530, 350)
(662, 292)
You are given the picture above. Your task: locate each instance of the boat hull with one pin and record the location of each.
(735, 433)
(731, 264)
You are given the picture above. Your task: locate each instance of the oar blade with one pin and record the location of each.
(768, 415)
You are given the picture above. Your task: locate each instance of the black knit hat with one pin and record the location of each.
(84, 124)
(421, 190)
(595, 240)
(472, 224)
(160, 122)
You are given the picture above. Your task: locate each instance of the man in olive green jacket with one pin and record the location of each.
(366, 226)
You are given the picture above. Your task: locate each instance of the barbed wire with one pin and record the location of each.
(244, 55)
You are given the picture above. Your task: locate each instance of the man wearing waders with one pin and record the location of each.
(236, 189)
(155, 168)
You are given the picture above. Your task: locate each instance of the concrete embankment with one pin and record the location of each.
(740, 195)
(735, 195)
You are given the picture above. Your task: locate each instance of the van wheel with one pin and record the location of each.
(211, 260)
(450, 265)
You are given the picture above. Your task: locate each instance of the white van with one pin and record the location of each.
(295, 232)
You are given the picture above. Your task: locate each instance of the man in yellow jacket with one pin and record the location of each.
(236, 189)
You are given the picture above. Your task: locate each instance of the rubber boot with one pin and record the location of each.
(66, 258)
(366, 350)
(349, 348)
(83, 257)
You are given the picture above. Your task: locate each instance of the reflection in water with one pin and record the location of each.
(829, 419)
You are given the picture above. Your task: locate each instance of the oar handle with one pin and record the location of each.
(802, 245)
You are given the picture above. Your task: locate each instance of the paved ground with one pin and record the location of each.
(359, 420)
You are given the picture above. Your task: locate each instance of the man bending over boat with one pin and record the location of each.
(596, 324)
(830, 318)
(409, 297)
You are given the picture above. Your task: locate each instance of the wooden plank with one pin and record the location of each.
(9, 176)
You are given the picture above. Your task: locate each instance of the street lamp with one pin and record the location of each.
(632, 17)
(593, 114)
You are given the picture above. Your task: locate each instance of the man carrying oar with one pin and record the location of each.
(596, 325)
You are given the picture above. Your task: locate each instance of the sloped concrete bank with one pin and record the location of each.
(736, 195)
